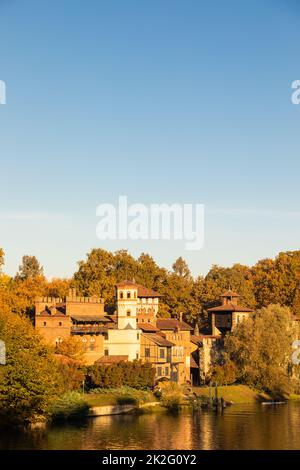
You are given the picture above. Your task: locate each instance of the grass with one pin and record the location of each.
(235, 393)
(118, 396)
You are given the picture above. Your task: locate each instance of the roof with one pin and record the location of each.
(142, 291)
(158, 339)
(198, 339)
(230, 293)
(193, 363)
(111, 359)
(172, 324)
(230, 307)
(91, 318)
(147, 327)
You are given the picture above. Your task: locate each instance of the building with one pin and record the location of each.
(133, 332)
(226, 316)
(223, 319)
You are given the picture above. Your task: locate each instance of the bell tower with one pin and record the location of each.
(127, 299)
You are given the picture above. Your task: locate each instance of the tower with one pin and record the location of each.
(127, 299)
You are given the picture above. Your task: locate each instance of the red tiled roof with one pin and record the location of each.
(172, 324)
(230, 307)
(142, 290)
(159, 340)
(147, 327)
(111, 359)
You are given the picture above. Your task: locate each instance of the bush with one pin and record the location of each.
(224, 374)
(69, 406)
(131, 374)
(172, 395)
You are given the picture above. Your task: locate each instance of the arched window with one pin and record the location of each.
(44, 323)
(60, 323)
(128, 313)
(121, 295)
(128, 294)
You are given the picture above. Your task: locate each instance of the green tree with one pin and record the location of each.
(29, 268)
(29, 380)
(261, 348)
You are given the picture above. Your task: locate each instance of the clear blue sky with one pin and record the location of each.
(161, 100)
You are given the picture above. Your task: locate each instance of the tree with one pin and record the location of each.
(29, 380)
(180, 267)
(57, 288)
(1, 259)
(29, 268)
(261, 348)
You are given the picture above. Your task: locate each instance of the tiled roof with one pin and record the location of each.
(111, 359)
(158, 339)
(172, 324)
(142, 290)
(147, 327)
(198, 339)
(230, 307)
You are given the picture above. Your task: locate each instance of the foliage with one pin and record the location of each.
(29, 380)
(71, 372)
(29, 268)
(261, 349)
(132, 374)
(224, 374)
(172, 395)
(71, 347)
(69, 406)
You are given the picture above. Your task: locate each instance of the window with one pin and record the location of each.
(128, 313)
(121, 295)
(147, 352)
(44, 323)
(92, 344)
(106, 352)
(161, 353)
(60, 323)
(159, 371)
(128, 295)
(167, 371)
(137, 336)
(137, 355)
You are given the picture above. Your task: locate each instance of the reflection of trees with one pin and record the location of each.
(239, 427)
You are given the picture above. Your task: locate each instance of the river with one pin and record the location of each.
(238, 427)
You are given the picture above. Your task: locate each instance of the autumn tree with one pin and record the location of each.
(261, 348)
(29, 268)
(29, 380)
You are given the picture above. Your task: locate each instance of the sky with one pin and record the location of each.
(164, 101)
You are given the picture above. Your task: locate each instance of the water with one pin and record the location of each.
(238, 427)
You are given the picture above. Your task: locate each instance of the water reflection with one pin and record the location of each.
(239, 427)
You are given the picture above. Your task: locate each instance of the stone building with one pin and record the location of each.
(133, 332)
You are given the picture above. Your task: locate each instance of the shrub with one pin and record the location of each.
(132, 374)
(172, 395)
(68, 406)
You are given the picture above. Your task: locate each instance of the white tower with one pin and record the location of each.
(127, 305)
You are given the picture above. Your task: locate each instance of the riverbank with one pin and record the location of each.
(240, 394)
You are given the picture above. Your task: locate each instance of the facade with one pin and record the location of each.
(226, 316)
(134, 332)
